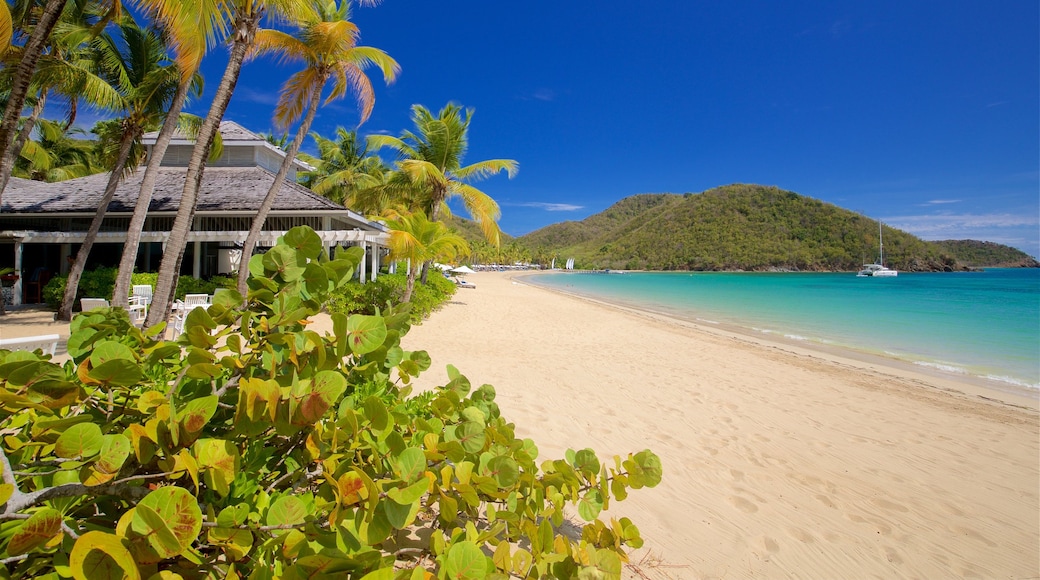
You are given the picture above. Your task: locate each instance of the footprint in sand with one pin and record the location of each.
(825, 500)
(770, 545)
(743, 505)
(800, 535)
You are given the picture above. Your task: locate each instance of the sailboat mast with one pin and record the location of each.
(881, 245)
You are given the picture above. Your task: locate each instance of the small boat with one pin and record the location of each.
(878, 269)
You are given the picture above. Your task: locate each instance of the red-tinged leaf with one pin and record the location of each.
(35, 531)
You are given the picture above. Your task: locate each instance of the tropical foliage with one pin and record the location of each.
(256, 447)
(430, 170)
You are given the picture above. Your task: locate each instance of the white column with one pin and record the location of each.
(196, 266)
(16, 290)
(375, 260)
(361, 267)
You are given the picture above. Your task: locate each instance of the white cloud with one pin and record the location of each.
(549, 206)
(1020, 231)
(940, 201)
(269, 98)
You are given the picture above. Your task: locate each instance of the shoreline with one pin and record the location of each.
(779, 460)
(984, 388)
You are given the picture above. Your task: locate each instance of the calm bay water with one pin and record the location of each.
(984, 324)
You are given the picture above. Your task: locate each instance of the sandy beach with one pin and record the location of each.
(779, 461)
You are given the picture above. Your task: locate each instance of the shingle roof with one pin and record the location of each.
(229, 131)
(223, 189)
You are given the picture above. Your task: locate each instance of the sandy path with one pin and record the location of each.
(779, 462)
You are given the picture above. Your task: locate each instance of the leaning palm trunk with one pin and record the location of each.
(413, 270)
(76, 272)
(272, 193)
(144, 199)
(169, 268)
(7, 165)
(22, 77)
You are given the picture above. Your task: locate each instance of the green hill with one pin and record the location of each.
(736, 227)
(987, 254)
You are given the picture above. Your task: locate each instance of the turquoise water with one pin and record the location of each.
(984, 324)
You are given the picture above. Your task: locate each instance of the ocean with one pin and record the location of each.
(981, 324)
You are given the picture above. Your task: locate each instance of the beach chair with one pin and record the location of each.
(86, 304)
(143, 292)
(181, 308)
(48, 343)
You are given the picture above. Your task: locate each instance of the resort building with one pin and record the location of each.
(43, 224)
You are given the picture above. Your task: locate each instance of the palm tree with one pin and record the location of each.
(433, 164)
(343, 170)
(241, 18)
(328, 46)
(29, 55)
(63, 70)
(190, 29)
(417, 239)
(432, 167)
(136, 64)
(57, 154)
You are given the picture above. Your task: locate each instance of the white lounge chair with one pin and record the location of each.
(86, 304)
(48, 343)
(181, 308)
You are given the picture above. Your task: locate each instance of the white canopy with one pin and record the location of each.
(463, 270)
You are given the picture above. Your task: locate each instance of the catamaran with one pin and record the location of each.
(878, 268)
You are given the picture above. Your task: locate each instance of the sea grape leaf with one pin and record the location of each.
(100, 556)
(120, 372)
(409, 494)
(400, 515)
(286, 511)
(179, 511)
(160, 537)
(586, 462)
(365, 333)
(115, 448)
(36, 531)
(304, 240)
(197, 412)
(107, 350)
(375, 412)
(466, 561)
(79, 441)
(220, 459)
(590, 505)
(471, 435)
(411, 464)
(326, 388)
(282, 260)
(644, 469)
(505, 470)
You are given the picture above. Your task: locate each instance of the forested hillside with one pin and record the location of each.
(987, 254)
(736, 227)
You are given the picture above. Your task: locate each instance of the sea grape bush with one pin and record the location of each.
(255, 447)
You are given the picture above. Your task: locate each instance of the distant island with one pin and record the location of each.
(750, 228)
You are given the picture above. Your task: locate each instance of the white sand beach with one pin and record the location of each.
(779, 461)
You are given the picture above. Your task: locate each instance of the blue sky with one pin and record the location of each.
(921, 113)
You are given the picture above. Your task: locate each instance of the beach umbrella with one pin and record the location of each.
(441, 266)
(463, 270)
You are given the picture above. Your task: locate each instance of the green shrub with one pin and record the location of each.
(255, 448)
(357, 298)
(100, 282)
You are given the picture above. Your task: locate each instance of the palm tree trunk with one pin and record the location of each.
(144, 199)
(410, 284)
(272, 193)
(22, 76)
(7, 165)
(169, 268)
(76, 272)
